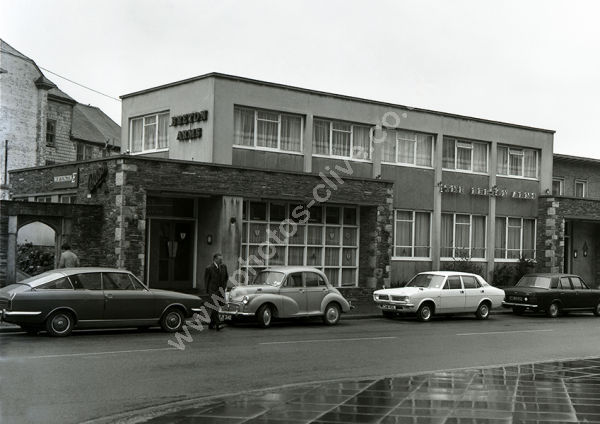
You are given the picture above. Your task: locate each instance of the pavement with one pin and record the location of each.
(566, 391)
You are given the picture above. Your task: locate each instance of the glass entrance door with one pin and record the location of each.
(171, 254)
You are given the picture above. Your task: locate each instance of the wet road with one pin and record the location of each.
(100, 373)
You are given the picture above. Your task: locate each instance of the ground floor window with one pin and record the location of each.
(412, 234)
(463, 236)
(515, 238)
(275, 233)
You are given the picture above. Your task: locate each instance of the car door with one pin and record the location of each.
(566, 293)
(473, 292)
(294, 295)
(583, 297)
(453, 296)
(126, 299)
(88, 299)
(316, 290)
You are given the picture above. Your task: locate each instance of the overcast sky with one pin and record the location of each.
(533, 63)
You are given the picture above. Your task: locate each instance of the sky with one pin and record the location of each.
(533, 63)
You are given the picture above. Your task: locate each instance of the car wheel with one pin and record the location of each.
(30, 330)
(519, 310)
(264, 315)
(553, 310)
(332, 314)
(425, 312)
(483, 311)
(597, 310)
(388, 314)
(172, 320)
(60, 324)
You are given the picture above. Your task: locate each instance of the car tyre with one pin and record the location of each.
(519, 310)
(483, 311)
(597, 310)
(553, 310)
(264, 315)
(172, 320)
(60, 324)
(332, 314)
(425, 312)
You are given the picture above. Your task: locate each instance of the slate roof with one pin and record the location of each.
(92, 125)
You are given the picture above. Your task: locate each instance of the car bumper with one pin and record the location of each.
(519, 305)
(235, 310)
(397, 307)
(10, 316)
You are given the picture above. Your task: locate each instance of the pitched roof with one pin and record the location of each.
(57, 94)
(92, 125)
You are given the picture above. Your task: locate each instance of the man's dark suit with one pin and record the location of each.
(215, 278)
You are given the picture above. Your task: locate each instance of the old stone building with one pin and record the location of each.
(42, 125)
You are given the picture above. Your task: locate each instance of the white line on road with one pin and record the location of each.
(502, 332)
(113, 352)
(327, 340)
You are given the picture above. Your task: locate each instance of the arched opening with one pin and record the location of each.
(36, 249)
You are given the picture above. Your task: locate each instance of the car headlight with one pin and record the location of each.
(525, 298)
(245, 300)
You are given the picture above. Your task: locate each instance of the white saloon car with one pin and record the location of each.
(440, 292)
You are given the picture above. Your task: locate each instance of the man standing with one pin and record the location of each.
(67, 259)
(215, 279)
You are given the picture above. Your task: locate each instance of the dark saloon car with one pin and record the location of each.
(63, 299)
(552, 294)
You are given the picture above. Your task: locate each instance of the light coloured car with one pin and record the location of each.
(440, 292)
(286, 292)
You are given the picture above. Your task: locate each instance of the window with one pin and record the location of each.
(51, 132)
(578, 284)
(87, 281)
(514, 162)
(409, 148)
(328, 240)
(453, 283)
(334, 138)
(117, 281)
(68, 198)
(470, 282)
(267, 130)
(60, 284)
(463, 155)
(564, 283)
(580, 188)
(515, 238)
(294, 280)
(84, 151)
(463, 236)
(313, 280)
(149, 133)
(412, 234)
(44, 199)
(558, 186)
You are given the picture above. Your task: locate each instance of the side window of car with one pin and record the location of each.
(116, 281)
(60, 284)
(294, 280)
(577, 283)
(137, 285)
(453, 283)
(470, 282)
(313, 280)
(88, 281)
(564, 283)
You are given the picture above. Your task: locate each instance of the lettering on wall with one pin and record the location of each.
(65, 178)
(487, 192)
(189, 118)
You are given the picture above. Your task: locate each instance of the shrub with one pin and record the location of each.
(508, 275)
(34, 260)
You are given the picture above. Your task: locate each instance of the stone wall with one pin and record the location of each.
(63, 149)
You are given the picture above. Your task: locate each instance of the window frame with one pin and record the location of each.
(584, 190)
(412, 247)
(505, 258)
(278, 149)
(470, 250)
(472, 143)
(52, 141)
(397, 140)
(330, 154)
(143, 150)
(561, 186)
(522, 151)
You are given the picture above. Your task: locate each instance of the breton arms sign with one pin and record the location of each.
(188, 119)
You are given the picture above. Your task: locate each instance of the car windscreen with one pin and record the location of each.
(269, 278)
(534, 281)
(431, 281)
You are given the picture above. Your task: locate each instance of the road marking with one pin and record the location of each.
(328, 340)
(113, 352)
(502, 332)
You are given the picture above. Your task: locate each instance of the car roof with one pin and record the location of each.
(447, 273)
(549, 274)
(289, 269)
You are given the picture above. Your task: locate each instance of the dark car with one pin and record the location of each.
(552, 294)
(63, 299)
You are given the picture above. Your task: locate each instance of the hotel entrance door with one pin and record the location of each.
(171, 254)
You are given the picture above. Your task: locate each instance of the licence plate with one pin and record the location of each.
(517, 298)
(224, 317)
(388, 306)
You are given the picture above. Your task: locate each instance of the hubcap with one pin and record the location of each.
(426, 312)
(332, 314)
(553, 309)
(484, 310)
(267, 316)
(173, 320)
(60, 323)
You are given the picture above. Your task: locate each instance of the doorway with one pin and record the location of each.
(171, 253)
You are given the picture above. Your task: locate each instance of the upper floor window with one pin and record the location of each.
(336, 138)
(463, 155)
(84, 151)
(50, 132)
(558, 186)
(409, 148)
(519, 162)
(581, 188)
(412, 235)
(269, 130)
(148, 133)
